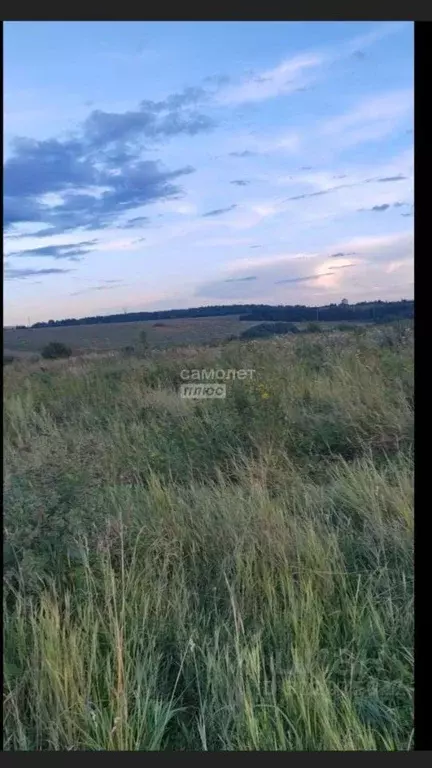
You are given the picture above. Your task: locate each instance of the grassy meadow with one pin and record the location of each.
(216, 575)
(115, 336)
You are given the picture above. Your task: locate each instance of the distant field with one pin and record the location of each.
(118, 335)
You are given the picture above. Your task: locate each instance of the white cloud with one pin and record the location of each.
(372, 119)
(285, 78)
(298, 71)
(381, 31)
(222, 242)
(394, 266)
(365, 248)
(283, 142)
(357, 268)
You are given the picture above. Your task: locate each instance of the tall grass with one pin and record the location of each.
(224, 575)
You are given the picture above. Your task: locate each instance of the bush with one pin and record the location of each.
(56, 349)
(129, 350)
(8, 359)
(264, 330)
(313, 328)
(346, 327)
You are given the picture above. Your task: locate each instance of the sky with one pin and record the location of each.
(158, 165)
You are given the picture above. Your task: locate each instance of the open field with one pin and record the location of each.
(111, 336)
(211, 575)
(114, 336)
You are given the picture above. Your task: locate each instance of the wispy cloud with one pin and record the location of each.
(220, 211)
(285, 78)
(107, 285)
(305, 279)
(297, 73)
(360, 43)
(384, 207)
(372, 119)
(71, 252)
(283, 276)
(240, 279)
(399, 177)
(11, 273)
(138, 221)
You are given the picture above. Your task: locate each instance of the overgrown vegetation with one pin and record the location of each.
(264, 330)
(212, 575)
(313, 328)
(55, 349)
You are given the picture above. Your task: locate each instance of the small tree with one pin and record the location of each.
(56, 349)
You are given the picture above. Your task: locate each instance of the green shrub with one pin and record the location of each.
(56, 349)
(264, 330)
(313, 328)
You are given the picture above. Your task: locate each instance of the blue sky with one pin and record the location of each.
(151, 165)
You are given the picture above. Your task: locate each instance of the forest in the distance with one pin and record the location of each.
(378, 311)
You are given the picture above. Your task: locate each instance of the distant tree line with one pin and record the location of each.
(378, 311)
(166, 314)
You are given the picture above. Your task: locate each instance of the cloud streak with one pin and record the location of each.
(11, 273)
(240, 279)
(220, 211)
(386, 179)
(243, 153)
(305, 279)
(383, 207)
(287, 77)
(107, 285)
(71, 252)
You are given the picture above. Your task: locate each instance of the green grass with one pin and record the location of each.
(214, 575)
